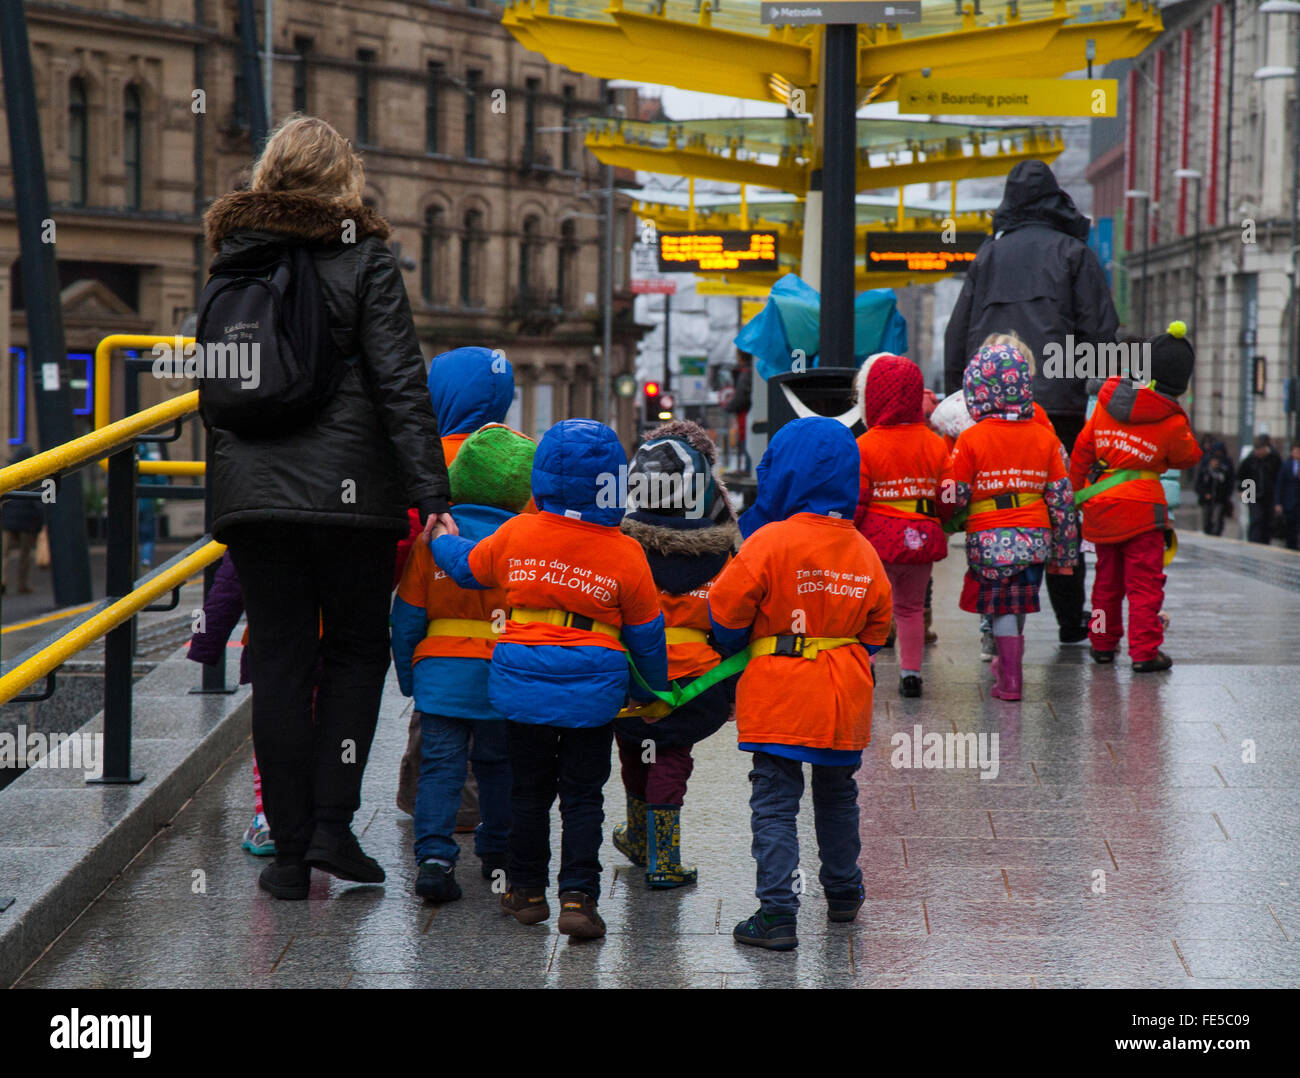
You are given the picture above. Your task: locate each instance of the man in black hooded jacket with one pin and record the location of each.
(1037, 277)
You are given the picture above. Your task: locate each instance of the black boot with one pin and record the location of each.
(340, 854)
(287, 877)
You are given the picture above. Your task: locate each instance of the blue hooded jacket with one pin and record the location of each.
(470, 387)
(443, 685)
(811, 466)
(554, 685)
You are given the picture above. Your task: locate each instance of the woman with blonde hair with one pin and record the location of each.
(311, 512)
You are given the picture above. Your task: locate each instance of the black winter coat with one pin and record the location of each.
(373, 450)
(1036, 277)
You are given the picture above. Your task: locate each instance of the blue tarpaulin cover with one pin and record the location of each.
(790, 321)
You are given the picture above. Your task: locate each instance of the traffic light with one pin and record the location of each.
(650, 394)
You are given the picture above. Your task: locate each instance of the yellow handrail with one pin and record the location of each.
(104, 395)
(98, 443)
(85, 634)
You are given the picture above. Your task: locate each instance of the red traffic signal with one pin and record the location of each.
(651, 389)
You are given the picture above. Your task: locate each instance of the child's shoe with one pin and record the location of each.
(526, 905)
(909, 686)
(578, 916)
(257, 839)
(437, 882)
(663, 848)
(842, 906)
(772, 932)
(1150, 666)
(1101, 656)
(629, 836)
(1007, 668)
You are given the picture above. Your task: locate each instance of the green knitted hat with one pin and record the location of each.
(494, 467)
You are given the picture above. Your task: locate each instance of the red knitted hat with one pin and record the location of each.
(893, 392)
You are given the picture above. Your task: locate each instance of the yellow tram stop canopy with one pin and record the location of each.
(779, 152)
(725, 49)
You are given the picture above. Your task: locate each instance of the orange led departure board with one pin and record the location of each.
(921, 252)
(711, 252)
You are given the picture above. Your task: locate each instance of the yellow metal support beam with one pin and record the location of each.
(940, 166)
(698, 55)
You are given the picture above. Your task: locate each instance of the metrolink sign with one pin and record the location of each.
(838, 12)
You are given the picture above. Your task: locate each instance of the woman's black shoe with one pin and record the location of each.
(341, 855)
(909, 686)
(286, 879)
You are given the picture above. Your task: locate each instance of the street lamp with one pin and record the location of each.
(1145, 198)
(1290, 7)
(1192, 174)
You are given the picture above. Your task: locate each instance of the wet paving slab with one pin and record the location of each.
(1141, 831)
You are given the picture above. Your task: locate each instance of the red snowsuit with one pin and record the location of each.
(1142, 430)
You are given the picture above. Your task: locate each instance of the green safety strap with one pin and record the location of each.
(678, 695)
(1100, 487)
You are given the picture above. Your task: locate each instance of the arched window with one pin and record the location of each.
(470, 241)
(131, 160)
(78, 143)
(565, 264)
(430, 254)
(527, 261)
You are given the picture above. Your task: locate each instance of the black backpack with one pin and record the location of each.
(268, 363)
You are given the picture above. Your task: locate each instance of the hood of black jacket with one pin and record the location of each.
(1033, 197)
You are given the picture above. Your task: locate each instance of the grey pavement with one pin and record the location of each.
(1125, 842)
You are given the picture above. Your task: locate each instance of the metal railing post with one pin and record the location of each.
(118, 644)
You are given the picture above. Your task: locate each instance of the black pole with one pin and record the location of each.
(69, 557)
(668, 321)
(257, 121)
(839, 185)
(118, 644)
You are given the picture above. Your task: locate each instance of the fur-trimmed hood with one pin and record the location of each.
(683, 553)
(683, 542)
(304, 217)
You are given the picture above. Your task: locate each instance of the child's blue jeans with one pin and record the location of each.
(445, 745)
(776, 787)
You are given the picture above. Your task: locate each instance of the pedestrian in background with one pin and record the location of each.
(311, 515)
(22, 519)
(1286, 497)
(1260, 469)
(1214, 488)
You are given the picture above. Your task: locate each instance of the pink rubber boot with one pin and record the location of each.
(1007, 667)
